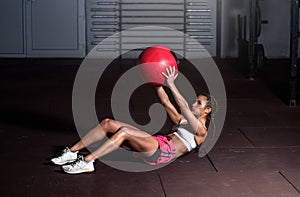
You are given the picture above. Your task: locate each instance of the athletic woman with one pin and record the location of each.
(153, 149)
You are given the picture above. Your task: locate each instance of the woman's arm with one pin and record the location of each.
(170, 109)
(182, 103)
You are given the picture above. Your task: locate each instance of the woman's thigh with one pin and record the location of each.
(140, 140)
(114, 125)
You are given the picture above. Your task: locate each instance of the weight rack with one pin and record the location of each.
(196, 18)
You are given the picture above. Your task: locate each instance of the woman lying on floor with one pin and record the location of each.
(154, 149)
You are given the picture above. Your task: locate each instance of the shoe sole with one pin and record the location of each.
(80, 171)
(69, 161)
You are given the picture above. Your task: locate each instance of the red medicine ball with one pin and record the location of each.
(154, 60)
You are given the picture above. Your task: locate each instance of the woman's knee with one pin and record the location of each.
(107, 123)
(120, 135)
(122, 131)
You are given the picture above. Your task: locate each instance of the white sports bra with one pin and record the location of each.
(185, 136)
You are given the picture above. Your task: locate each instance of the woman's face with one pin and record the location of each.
(199, 107)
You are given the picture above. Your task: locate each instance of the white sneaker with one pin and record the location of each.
(66, 157)
(79, 166)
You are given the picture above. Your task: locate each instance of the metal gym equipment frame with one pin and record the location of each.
(256, 50)
(251, 52)
(194, 17)
(294, 38)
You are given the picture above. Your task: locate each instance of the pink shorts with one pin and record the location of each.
(165, 153)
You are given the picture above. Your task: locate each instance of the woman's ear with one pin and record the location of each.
(207, 110)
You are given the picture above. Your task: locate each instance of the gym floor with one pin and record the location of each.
(257, 154)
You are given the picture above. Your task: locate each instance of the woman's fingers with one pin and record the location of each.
(176, 76)
(170, 71)
(164, 74)
(174, 70)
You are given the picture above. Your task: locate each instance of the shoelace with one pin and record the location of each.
(78, 162)
(64, 154)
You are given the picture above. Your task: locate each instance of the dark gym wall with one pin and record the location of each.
(275, 35)
(229, 28)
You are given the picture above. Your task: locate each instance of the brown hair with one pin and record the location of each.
(211, 103)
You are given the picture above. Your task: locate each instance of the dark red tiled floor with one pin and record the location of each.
(267, 184)
(102, 183)
(256, 159)
(257, 153)
(293, 178)
(273, 137)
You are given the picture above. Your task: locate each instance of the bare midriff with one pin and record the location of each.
(180, 148)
